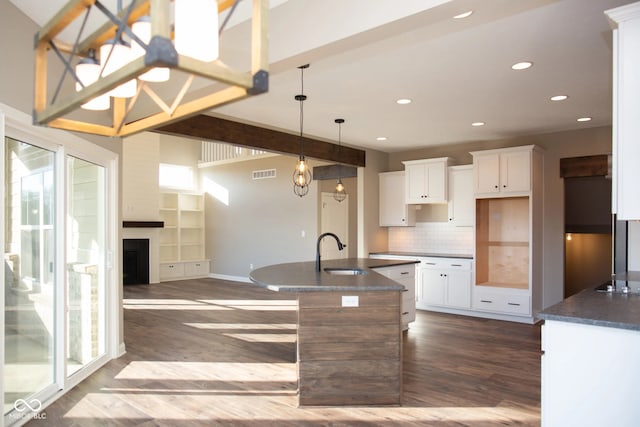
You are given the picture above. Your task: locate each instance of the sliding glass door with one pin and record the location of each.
(60, 301)
(85, 260)
(30, 286)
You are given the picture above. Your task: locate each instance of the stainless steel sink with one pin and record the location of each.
(346, 271)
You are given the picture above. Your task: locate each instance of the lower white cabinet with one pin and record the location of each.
(183, 270)
(502, 300)
(406, 275)
(445, 282)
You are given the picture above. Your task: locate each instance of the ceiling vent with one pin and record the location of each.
(264, 174)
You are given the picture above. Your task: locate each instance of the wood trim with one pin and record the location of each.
(334, 172)
(210, 128)
(573, 167)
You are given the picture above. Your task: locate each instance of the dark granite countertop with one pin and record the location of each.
(423, 254)
(614, 310)
(302, 276)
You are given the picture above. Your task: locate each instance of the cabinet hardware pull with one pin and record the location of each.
(405, 313)
(404, 272)
(430, 263)
(513, 303)
(405, 290)
(496, 186)
(486, 300)
(456, 265)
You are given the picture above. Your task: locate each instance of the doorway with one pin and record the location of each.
(588, 227)
(334, 218)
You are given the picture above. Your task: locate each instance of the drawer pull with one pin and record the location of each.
(430, 263)
(486, 300)
(405, 313)
(404, 272)
(514, 303)
(405, 290)
(456, 265)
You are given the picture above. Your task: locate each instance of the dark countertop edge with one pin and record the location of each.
(309, 275)
(596, 309)
(424, 255)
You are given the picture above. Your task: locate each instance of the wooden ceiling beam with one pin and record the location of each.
(210, 128)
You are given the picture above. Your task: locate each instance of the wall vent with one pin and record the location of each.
(264, 174)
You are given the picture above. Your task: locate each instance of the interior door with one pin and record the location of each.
(334, 219)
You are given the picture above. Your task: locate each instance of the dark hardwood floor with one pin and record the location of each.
(210, 352)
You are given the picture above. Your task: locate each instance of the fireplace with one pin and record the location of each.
(135, 261)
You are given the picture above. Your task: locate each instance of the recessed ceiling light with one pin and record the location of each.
(559, 97)
(478, 124)
(522, 65)
(403, 101)
(584, 119)
(463, 15)
(381, 138)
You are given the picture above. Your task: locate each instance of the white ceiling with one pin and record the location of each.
(364, 54)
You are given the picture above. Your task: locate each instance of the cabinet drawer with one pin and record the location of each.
(502, 303)
(402, 273)
(448, 264)
(196, 268)
(171, 271)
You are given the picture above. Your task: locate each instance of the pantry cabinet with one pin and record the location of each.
(394, 211)
(426, 180)
(503, 172)
(626, 110)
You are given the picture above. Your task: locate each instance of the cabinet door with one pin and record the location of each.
(458, 288)
(436, 182)
(487, 173)
(461, 207)
(433, 286)
(393, 208)
(415, 183)
(515, 171)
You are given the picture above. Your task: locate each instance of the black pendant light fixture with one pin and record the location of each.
(339, 193)
(302, 174)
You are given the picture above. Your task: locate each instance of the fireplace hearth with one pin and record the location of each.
(135, 261)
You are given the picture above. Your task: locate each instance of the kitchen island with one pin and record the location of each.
(591, 357)
(349, 338)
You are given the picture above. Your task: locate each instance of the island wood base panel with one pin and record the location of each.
(349, 355)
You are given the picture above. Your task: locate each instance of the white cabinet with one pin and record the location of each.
(426, 180)
(182, 238)
(404, 274)
(502, 172)
(626, 110)
(461, 202)
(445, 282)
(507, 301)
(394, 211)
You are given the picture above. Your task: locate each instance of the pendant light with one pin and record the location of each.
(115, 54)
(88, 72)
(142, 29)
(196, 29)
(302, 174)
(339, 193)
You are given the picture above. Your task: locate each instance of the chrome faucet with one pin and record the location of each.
(341, 246)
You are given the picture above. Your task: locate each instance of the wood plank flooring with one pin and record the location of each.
(216, 353)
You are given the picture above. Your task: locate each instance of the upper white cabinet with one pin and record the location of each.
(461, 208)
(502, 172)
(426, 180)
(626, 110)
(394, 211)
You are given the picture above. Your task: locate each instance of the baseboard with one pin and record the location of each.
(121, 350)
(231, 278)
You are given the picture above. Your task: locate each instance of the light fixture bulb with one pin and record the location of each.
(142, 29)
(340, 193)
(88, 72)
(196, 29)
(115, 54)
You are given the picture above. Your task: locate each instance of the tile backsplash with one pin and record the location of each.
(434, 237)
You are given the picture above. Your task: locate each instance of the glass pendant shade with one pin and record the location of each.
(339, 193)
(88, 71)
(196, 29)
(120, 56)
(142, 29)
(301, 177)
